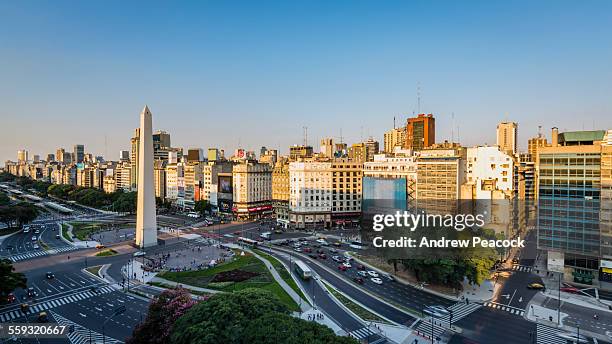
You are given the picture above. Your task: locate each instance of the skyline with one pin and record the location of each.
(215, 74)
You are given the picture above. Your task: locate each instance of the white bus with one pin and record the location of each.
(302, 269)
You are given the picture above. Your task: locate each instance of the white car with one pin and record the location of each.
(438, 311)
(373, 273)
(34, 238)
(322, 242)
(36, 247)
(376, 280)
(347, 264)
(139, 254)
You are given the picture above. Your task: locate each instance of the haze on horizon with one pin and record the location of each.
(224, 73)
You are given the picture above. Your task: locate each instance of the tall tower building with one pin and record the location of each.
(394, 138)
(146, 221)
(79, 153)
(420, 132)
(327, 147)
(22, 156)
(534, 144)
(134, 154)
(507, 137)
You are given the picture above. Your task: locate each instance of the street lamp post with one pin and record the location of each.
(559, 304)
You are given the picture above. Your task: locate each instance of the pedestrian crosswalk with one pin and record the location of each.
(35, 254)
(509, 309)
(81, 335)
(46, 305)
(522, 268)
(424, 329)
(549, 335)
(361, 333)
(459, 310)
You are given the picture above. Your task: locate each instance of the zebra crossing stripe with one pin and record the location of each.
(82, 335)
(549, 335)
(360, 333)
(59, 302)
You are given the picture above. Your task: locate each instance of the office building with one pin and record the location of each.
(395, 137)
(195, 155)
(420, 132)
(507, 133)
(299, 152)
(22, 156)
(79, 153)
(280, 192)
(327, 147)
(310, 194)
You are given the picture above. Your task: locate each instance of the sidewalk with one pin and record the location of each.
(304, 306)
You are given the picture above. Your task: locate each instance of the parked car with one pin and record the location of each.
(362, 273)
(322, 256)
(358, 280)
(347, 264)
(341, 267)
(361, 267)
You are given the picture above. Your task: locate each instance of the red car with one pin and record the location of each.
(307, 249)
(10, 298)
(342, 268)
(570, 290)
(358, 280)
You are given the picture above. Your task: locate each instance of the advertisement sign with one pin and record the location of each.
(225, 184)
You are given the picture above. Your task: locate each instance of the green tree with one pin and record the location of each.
(9, 279)
(202, 206)
(7, 216)
(4, 199)
(126, 202)
(245, 317)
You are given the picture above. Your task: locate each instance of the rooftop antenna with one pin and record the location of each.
(341, 138)
(452, 127)
(305, 135)
(418, 97)
(393, 122)
(539, 131)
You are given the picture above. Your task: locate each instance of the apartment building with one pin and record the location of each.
(252, 190)
(281, 192)
(347, 178)
(310, 194)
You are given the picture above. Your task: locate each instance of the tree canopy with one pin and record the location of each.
(248, 316)
(9, 279)
(21, 213)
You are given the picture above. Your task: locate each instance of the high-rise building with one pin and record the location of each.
(79, 153)
(124, 155)
(50, 157)
(395, 137)
(310, 197)
(327, 147)
(440, 174)
(507, 133)
(372, 148)
(252, 189)
(534, 144)
(280, 192)
(161, 139)
(346, 191)
(420, 132)
(402, 165)
(134, 156)
(297, 152)
(573, 180)
(213, 154)
(36, 158)
(22, 156)
(195, 155)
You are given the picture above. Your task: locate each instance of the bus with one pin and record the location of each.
(248, 241)
(302, 269)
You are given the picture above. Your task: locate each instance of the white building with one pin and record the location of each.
(402, 165)
(310, 193)
(252, 189)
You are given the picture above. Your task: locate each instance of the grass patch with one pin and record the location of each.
(284, 274)
(65, 232)
(94, 269)
(355, 308)
(248, 263)
(82, 230)
(106, 253)
(167, 286)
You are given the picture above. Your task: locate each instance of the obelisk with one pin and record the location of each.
(146, 220)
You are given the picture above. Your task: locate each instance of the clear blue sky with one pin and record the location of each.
(255, 72)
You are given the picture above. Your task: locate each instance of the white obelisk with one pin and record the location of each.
(146, 220)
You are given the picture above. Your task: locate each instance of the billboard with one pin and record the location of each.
(225, 184)
(225, 206)
(383, 193)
